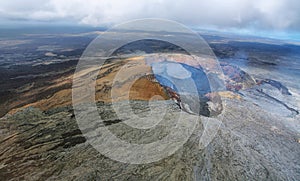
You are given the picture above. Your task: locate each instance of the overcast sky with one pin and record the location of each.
(275, 15)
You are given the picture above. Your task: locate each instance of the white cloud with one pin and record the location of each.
(266, 14)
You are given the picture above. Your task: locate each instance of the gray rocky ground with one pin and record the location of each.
(256, 137)
(250, 144)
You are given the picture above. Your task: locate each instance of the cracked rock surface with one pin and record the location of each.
(250, 144)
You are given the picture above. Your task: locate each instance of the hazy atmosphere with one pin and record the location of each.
(274, 15)
(150, 90)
